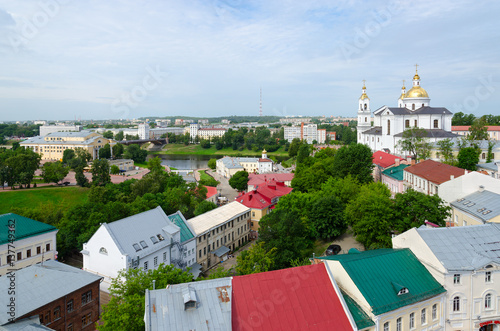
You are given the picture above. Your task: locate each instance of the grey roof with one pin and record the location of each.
(421, 111)
(221, 251)
(39, 285)
(27, 324)
(141, 227)
(41, 140)
(464, 247)
(81, 134)
(484, 205)
(434, 133)
(482, 144)
(376, 130)
(165, 308)
(195, 270)
(490, 166)
(235, 162)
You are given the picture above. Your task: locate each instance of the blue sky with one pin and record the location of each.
(90, 59)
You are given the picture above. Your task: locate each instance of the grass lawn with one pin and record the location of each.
(142, 165)
(34, 197)
(197, 149)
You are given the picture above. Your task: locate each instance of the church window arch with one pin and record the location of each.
(407, 123)
(423, 105)
(103, 250)
(413, 106)
(366, 119)
(388, 127)
(415, 123)
(436, 124)
(365, 106)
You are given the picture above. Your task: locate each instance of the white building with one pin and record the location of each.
(306, 132)
(466, 261)
(142, 241)
(389, 122)
(25, 242)
(143, 131)
(46, 129)
(228, 166)
(467, 184)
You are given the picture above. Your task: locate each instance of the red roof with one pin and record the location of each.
(254, 179)
(211, 191)
(434, 171)
(300, 298)
(384, 159)
(466, 128)
(263, 195)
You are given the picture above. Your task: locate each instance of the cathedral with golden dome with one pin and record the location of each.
(413, 110)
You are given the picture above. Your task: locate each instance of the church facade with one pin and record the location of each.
(413, 110)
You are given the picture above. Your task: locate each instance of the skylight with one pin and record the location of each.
(154, 240)
(486, 212)
(137, 247)
(143, 244)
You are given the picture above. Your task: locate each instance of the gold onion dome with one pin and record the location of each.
(364, 95)
(416, 92)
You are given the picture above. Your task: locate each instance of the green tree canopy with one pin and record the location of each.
(118, 150)
(355, 160)
(54, 172)
(446, 151)
(468, 158)
(108, 134)
(105, 152)
(255, 259)
(239, 181)
(135, 153)
(119, 136)
(415, 143)
(212, 163)
(100, 172)
(203, 207)
(478, 130)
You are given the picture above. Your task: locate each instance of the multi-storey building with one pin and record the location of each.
(142, 241)
(53, 145)
(220, 231)
(480, 207)
(46, 129)
(143, 131)
(306, 132)
(24, 242)
(61, 296)
(465, 260)
(228, 166)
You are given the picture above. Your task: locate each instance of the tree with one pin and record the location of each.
(490, 156)
(355, 160)
(212, 164)
(203, 207)
(108, 135)
(478, 130)
(462, 119)
(81, 180)
(446, 151)
(117, 150)
(371, 216)
(119, 136)
(327, 216)
(105, 152)
(205, 143)
(415, 143)
(412, 209)
(54, 172)
(239, 181)
(294, 147)
(68, 155)
(125, 310)
(100, 173)
(468, 158)
(114, 170)
(135, 153)
(154, 164)
(255, 259)
(303, 154)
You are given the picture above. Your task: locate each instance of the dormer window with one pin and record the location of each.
(143, 244)
(103, 251)
(137, 247)
(154, 240)
(404, 290)
(190, 299)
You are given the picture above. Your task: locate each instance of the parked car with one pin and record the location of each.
(333, 250)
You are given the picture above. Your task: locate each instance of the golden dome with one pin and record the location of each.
(402, 96)
(416, 77)
(264, 151)
(364, 96)
(416, 92)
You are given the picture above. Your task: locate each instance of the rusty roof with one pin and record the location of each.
(435, 172)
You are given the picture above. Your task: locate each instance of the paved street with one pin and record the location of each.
(227, 191)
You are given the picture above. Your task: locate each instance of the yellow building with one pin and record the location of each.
(477, 208)
(53, 145)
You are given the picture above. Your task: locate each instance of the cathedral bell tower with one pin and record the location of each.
(364, 113)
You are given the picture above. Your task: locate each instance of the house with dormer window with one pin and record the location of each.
(142, 241)
(391, 286)
(466, 261)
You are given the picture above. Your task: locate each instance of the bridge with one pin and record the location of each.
(155, 141)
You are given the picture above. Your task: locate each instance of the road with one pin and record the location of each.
(227, 191)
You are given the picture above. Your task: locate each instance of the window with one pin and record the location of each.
(407, 123)
(154, 240)
(165, 256)
(456, 279)
(483, 156)
(205, 250)
(86, 297)
(253, 214)
(415, 123)
(137, 247)
(155, 261)
(412, 320)
(200, 254)
(57, 313)
(39, 250)
(436, 122)
(47, 248)
(487, 276)
(69, 306)
(487, 301)
(434, 311)
(386, 326)
(388, 127)
(456, 303)
(86, 319)
(70, 327)
(103, 250)
(28, 253)
(398, 324)
(143, 244)
(47, 317)
(423, 316)
(19, 256)
(146, 266)
(412, 106)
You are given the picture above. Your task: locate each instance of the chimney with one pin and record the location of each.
(481, 188)
(397, 162)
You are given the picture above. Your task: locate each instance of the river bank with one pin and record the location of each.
(181, 149)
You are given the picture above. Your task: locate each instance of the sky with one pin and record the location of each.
(124, 59)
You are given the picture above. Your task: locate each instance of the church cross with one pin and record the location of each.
(416, 67)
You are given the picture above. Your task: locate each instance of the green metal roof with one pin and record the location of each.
(179, 220)
(24, 227)
(395, 172)
(379, 275)
(361, 319)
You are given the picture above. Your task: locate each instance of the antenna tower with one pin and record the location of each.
(260, 106)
